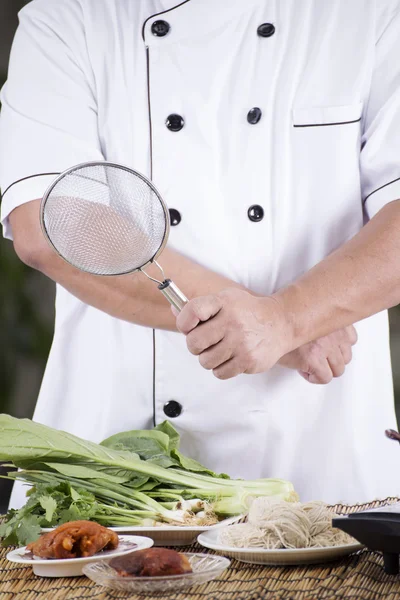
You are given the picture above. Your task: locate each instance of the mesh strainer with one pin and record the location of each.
(106, 219)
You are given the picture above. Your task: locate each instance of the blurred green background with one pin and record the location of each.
(26, 297)
(27, 301)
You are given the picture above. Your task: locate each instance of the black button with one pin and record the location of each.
(254, 115)
(255, 213)
(266, 30)
(174, 122)
(160, 28)
(174, 217)
(172, 408)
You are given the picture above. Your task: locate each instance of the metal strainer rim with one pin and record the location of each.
(105, 164)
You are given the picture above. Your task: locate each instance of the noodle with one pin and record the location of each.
(273, 523)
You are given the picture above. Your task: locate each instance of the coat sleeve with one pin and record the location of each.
(48, 120)
(380, 154)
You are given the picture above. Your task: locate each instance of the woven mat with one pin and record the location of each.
(359, 576)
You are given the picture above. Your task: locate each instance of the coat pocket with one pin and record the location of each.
(319, 116)
(326, 142)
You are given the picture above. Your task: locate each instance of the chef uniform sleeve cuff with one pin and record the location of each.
(20, 192)
(381, 196)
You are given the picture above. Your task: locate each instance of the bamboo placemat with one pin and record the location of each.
(359, 576)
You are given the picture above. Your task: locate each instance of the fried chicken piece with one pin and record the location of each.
(75, 539)
(152, 562)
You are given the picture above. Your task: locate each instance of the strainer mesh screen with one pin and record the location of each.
(104, 219)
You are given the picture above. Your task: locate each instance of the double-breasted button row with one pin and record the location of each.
(175, 122)
(255, 214)
(161, 28)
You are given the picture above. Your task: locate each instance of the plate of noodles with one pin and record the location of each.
(282, 533)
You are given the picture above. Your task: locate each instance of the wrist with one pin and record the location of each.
(276, 317)
(296, 317)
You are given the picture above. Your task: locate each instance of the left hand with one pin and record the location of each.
(234, 332)
(321, 360)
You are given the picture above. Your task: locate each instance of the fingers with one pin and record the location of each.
(352, 335)
(216, 356)
(333, 364)
(228, 369)
(197, 310)
(347, 353)
(336, 363)
(320, 373)
(205, 335)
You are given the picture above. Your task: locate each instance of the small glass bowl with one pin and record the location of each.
(205, 568)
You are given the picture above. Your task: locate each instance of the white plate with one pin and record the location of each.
(297, 556)
(72, 567)
(206, 567)
(171, 535)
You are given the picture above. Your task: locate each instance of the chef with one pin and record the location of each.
(271, 128)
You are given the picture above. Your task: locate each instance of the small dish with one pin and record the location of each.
(283, 557)
(171, 535)
(206, 567)
(72, 567)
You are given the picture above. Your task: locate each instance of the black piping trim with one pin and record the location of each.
(151, 177)
(151, 172)
(381, 188)
(328, 124)
(154, 378)
(24, 178)
(149, 111)
(161, 13)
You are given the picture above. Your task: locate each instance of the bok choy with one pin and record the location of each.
(132, 478)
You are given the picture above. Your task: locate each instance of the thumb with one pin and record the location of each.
(196, 311)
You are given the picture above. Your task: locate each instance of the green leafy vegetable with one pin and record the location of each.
(49, 505)
(135, 477)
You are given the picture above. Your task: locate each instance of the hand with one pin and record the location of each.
(327, 357)
(234, 332)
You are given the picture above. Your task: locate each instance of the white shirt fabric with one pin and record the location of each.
(88, 80)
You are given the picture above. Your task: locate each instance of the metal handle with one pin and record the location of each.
(173, 294)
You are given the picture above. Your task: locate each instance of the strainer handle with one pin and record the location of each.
(173, 294)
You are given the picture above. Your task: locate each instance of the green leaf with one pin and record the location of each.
(21, 530)
(189, 464)
(71, 514)
(162, 460)
(78, 511)
(26, 440)
(75, 495)
(81, 472)
(171, 432)
(139, 482)
(144, 443)
(49, 505)
(145, 486)
(28, 530)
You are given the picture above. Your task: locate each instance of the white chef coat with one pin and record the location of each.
(91, 80)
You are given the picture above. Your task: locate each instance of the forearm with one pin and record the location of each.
(132, 297)
(359, 279)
